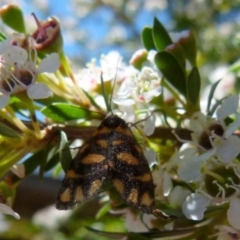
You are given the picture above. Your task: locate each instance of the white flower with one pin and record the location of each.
(148, 82)
(218, 137)
(138, 87)
(7, 210)
(19, 74)
(196, 203)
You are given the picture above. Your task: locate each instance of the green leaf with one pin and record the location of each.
(103, 211)
(12, 16)
(217, 104)
(193, 85)
(57, 170)
(52, 162)
(51, 159)
(177, 51)
(2, 36)
(172, 71)
(147, 38)
(65, 156)
(189, 45)
(161, 37)
(61, 112)
(212, 90)
(7, 131)
(144, 235)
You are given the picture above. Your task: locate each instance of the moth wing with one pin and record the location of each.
(85, 177)
(131, 175)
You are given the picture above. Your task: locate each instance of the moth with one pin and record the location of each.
(111, 156)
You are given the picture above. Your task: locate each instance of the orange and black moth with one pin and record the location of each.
(111, 156)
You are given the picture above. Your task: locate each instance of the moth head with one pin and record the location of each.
(113, 121)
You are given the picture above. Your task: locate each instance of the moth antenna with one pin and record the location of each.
(142, 120)
(104, 93)
(113, 86)
(135, 125)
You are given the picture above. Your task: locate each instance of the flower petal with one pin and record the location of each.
(177, 196)
(7, 210)
(228, 149)
(167, 184)
(49, 64)
(4, 99)
(189, 168)
(39, 91)
(15, 54)
(124, 102)
(198, 122)
(194, 206)
(148, 96)
(150, 156)
(125, 88)
(149, 125)
(233, 213)
(229, 106)
(19, 170)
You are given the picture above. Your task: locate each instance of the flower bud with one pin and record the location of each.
(12, 16)
(138, 58)
(47, 38)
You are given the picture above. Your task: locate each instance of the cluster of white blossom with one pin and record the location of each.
(19, 70)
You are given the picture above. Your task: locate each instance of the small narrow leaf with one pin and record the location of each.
(103, 211)
(7, 131)
(147, 39)
(161, 37)
(194, 85)
(2, 36)
(213, 88)
(172, 71)
(12, 16)
(65, 156)
(61, 112)
(52, 163)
